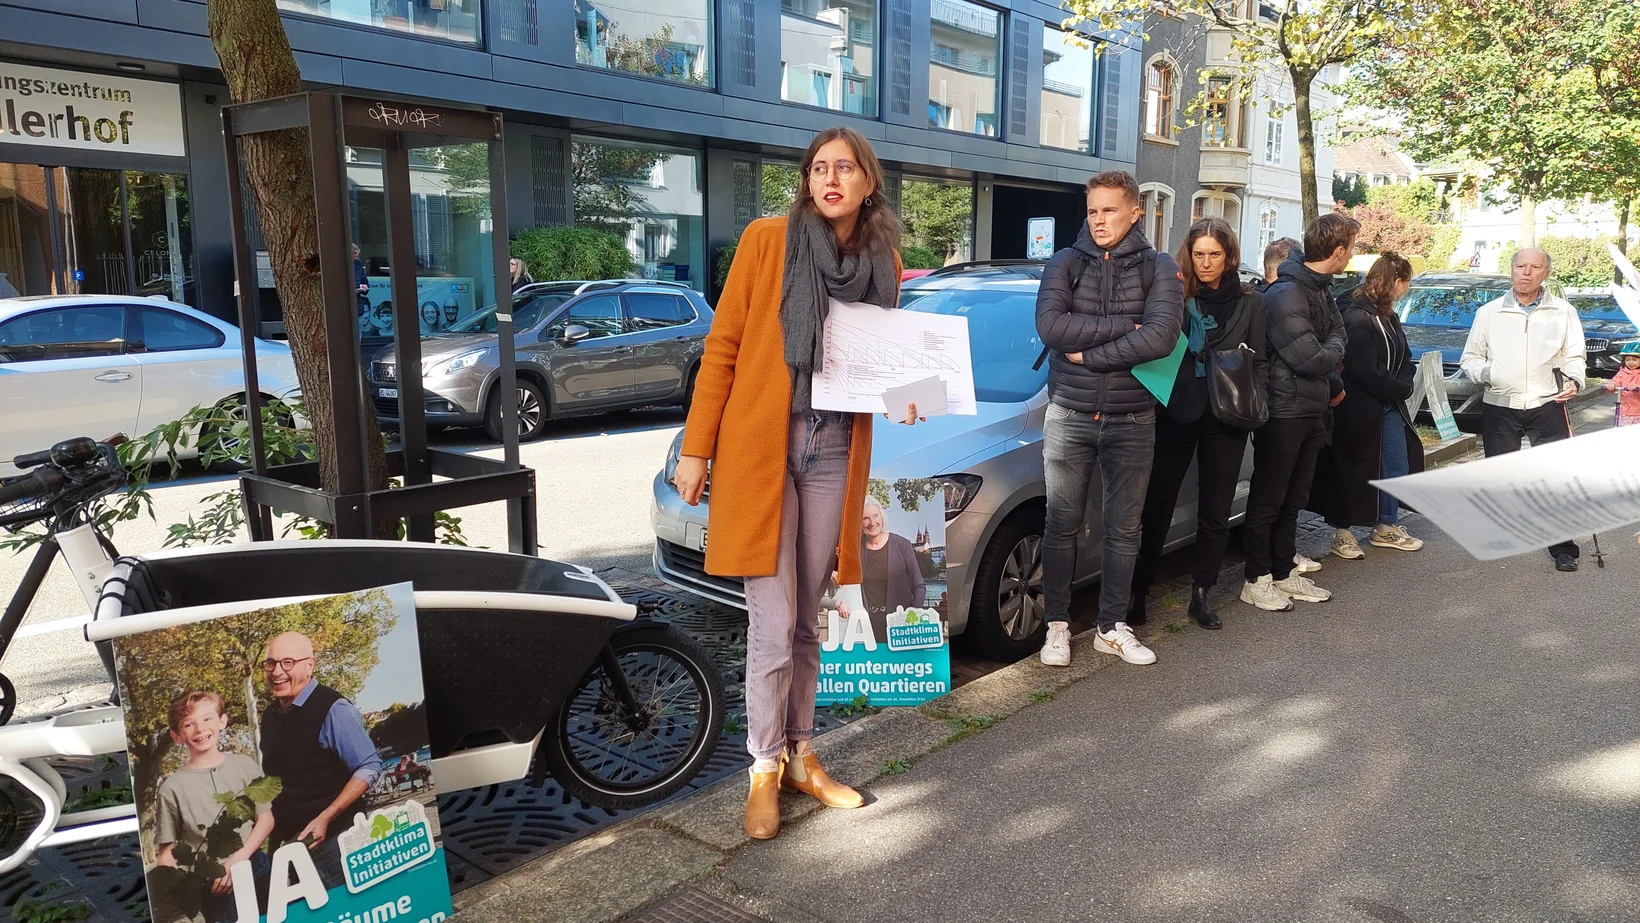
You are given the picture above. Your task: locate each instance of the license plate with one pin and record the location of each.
(695, 536)
(703, 540)
(388, 392)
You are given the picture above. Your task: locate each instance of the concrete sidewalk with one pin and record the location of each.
(1468, 756)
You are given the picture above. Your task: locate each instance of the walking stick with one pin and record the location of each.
(1560, 380)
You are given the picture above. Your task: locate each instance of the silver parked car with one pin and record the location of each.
(582, 347)
(991, 464)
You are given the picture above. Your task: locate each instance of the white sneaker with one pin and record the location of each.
(1304, 565)
(1121, 642)
(1056, 651)
(1263, 594)
(1394, 537)
(1345, 546)
(1302, 588)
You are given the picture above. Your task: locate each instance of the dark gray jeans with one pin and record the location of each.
(1074, 446)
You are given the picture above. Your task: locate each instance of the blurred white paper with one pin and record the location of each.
(1529, 500)
(870, 350)
(928, 394)
(1628, 297)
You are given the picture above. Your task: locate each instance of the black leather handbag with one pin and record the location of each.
(1234, 395)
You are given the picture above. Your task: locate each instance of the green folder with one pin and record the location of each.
(1158, 375)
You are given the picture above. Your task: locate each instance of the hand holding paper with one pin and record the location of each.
(922, 399)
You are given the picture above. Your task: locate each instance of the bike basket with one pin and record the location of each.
(22, 512)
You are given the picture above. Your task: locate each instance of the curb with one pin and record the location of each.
(633, 864)
(1450, 450)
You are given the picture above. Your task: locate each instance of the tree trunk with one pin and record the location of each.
(257, 61)
(1623, 208)
(1306, 144)
(1528, 222)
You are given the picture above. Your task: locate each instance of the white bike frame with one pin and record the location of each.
(26, 743)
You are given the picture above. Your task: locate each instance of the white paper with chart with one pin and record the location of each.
(870, 350)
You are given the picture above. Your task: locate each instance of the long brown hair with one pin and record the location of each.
(1219, 230)
(1379, 286)
(877, 223)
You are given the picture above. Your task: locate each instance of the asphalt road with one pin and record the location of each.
(1447, 740)
(592, 476)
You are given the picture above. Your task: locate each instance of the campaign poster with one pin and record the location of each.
(886, 638)
(280, 765)
(441, 301)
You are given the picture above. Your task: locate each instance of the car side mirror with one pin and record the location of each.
(573, 334)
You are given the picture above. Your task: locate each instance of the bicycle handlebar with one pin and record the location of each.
(40, 483)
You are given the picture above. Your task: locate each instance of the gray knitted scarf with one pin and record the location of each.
(816, 273)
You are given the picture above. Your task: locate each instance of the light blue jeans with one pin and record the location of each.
(1392, 463)
(783, 610)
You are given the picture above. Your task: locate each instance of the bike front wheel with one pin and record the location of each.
(613, 755)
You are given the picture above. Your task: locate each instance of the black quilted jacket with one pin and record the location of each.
(1306, 337)
(1093, 301)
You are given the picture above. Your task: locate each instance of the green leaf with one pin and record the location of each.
(264, 790)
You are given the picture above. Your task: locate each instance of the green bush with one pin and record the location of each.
(1581, 262)
(565, 252)
(1443, 247)
(720, 269)
(1420, 200)
(920, 258)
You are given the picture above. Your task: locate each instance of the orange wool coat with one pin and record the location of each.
(740, 415)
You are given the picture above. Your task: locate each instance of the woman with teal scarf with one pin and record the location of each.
(1220, 313)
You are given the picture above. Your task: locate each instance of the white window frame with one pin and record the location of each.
(1275, 139)
(1150, 195)
(1167, 131)
(1197, 205)
(1268, 218)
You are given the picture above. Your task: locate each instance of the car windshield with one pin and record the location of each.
(527, 312)
(1444, 307)
(1001, 335)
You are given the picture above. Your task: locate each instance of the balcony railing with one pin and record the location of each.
(1063, 88)
(964, 17)
(971, 62)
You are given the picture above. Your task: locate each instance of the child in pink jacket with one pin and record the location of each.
(1627, 385)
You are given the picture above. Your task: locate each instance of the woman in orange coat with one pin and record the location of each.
(789, 481)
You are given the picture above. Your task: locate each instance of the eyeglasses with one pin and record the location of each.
(268, 666)
(845, 169)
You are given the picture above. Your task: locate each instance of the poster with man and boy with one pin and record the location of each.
(885, 641)
(280, 765)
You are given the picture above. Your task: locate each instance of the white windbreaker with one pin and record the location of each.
(1513, 354)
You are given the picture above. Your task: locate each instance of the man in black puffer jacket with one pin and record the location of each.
(1306, 339)
(1106, 304)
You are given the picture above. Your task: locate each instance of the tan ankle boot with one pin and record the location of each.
(803, 774)
(763, 805)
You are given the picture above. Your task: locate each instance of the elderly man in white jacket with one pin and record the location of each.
(1516, 346)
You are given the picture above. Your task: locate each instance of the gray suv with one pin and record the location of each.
(582, 347)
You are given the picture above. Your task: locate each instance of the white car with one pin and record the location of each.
(95, 365)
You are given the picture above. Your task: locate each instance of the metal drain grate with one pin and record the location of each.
(691, 906)
(487, 832)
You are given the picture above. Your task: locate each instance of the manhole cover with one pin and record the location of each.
(691, 906)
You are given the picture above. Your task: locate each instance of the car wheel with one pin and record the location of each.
(1005, 617)
(532, 412)
(231, 412)
(689, 390)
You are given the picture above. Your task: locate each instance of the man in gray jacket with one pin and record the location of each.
(1107, 304)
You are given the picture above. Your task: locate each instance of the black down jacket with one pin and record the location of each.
(1093, 301)
(1306, 336)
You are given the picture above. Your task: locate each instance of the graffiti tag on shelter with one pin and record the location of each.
(399, 118)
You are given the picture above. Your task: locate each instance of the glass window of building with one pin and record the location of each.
(828, 54)
(453, 20)
(939, 223)
(966, 46)
(1161, 79)
(647, 197)
(1218, 130)
(1158, 213)
(450, 228)
(79, 231)
(663, 39)
(1267, 218)
(779, 188)
(1274, 141)
(1067, 91)
(1217, 205)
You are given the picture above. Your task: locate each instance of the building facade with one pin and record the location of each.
(1231, 155)
(672, 123)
